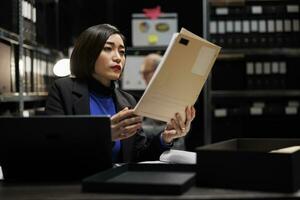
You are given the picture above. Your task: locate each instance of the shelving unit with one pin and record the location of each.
(253, 86)
(255, 93)
(26, 79)
(26, 98)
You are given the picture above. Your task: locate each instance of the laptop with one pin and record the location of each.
(54, 148)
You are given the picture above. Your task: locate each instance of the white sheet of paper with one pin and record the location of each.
(291, 149)
(173, 156)
(179, 78)
(1, 174)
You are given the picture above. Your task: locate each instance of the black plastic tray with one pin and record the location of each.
(142, 179)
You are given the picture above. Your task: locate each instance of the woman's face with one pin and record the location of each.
(110, 62)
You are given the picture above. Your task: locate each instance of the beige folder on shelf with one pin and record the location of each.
(179, 78)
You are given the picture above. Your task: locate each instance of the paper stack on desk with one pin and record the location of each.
(174, 156)
(179, 78)
(1, 174)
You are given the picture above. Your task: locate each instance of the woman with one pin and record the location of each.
(97, 61)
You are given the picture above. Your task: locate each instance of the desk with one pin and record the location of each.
(72, 191)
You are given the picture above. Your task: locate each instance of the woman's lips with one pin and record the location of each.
(117, 68)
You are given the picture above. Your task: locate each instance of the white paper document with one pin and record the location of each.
(291, 149)
(179, 78)
(173, 156)
(1, 174)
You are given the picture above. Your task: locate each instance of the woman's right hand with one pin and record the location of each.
(124, 124)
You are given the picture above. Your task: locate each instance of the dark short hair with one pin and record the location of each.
(87, 48)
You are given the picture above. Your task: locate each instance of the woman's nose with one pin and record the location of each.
(117, 57)
(118, 60)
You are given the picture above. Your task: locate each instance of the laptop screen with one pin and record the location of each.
(54, 147)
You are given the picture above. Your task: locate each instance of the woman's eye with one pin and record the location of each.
(107, 48)
(122, 52)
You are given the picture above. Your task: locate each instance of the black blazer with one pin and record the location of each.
(70, 96)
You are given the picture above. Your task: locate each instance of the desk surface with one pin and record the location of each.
(73, 192)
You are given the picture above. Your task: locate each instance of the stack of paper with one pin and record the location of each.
(179, 78)
(174, 156)
(291, 149)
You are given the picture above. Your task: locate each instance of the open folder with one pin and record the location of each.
(179, 78)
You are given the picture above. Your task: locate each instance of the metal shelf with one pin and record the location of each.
(255, 93)
(15, 97)
(145, 50)
(226, 2)
(32, 45)
(240, 53)
(20, 44)
(9, 36)
(230, 54)
(14, 38)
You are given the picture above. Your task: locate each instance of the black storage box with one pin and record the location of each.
(248, 164)
(166, 179)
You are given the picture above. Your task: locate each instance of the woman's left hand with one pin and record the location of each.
(177, 128)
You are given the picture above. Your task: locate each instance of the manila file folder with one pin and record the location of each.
(179, 77)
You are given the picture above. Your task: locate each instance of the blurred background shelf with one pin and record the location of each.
(26, 97)
(255, 93)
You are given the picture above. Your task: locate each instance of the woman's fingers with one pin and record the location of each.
(127, 122)
(130, 121)
(121, 115)
(188, 113)
(129, 131)
(177, 128)
(193, 112)
(180, 122)
(175, 125)
(124, 124)
(169, 135)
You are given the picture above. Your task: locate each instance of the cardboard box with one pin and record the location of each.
(248, 164)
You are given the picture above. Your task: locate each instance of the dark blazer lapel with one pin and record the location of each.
(127, 144)
(81, 98)
(121, 101)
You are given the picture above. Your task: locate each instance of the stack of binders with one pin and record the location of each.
(263, 24)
